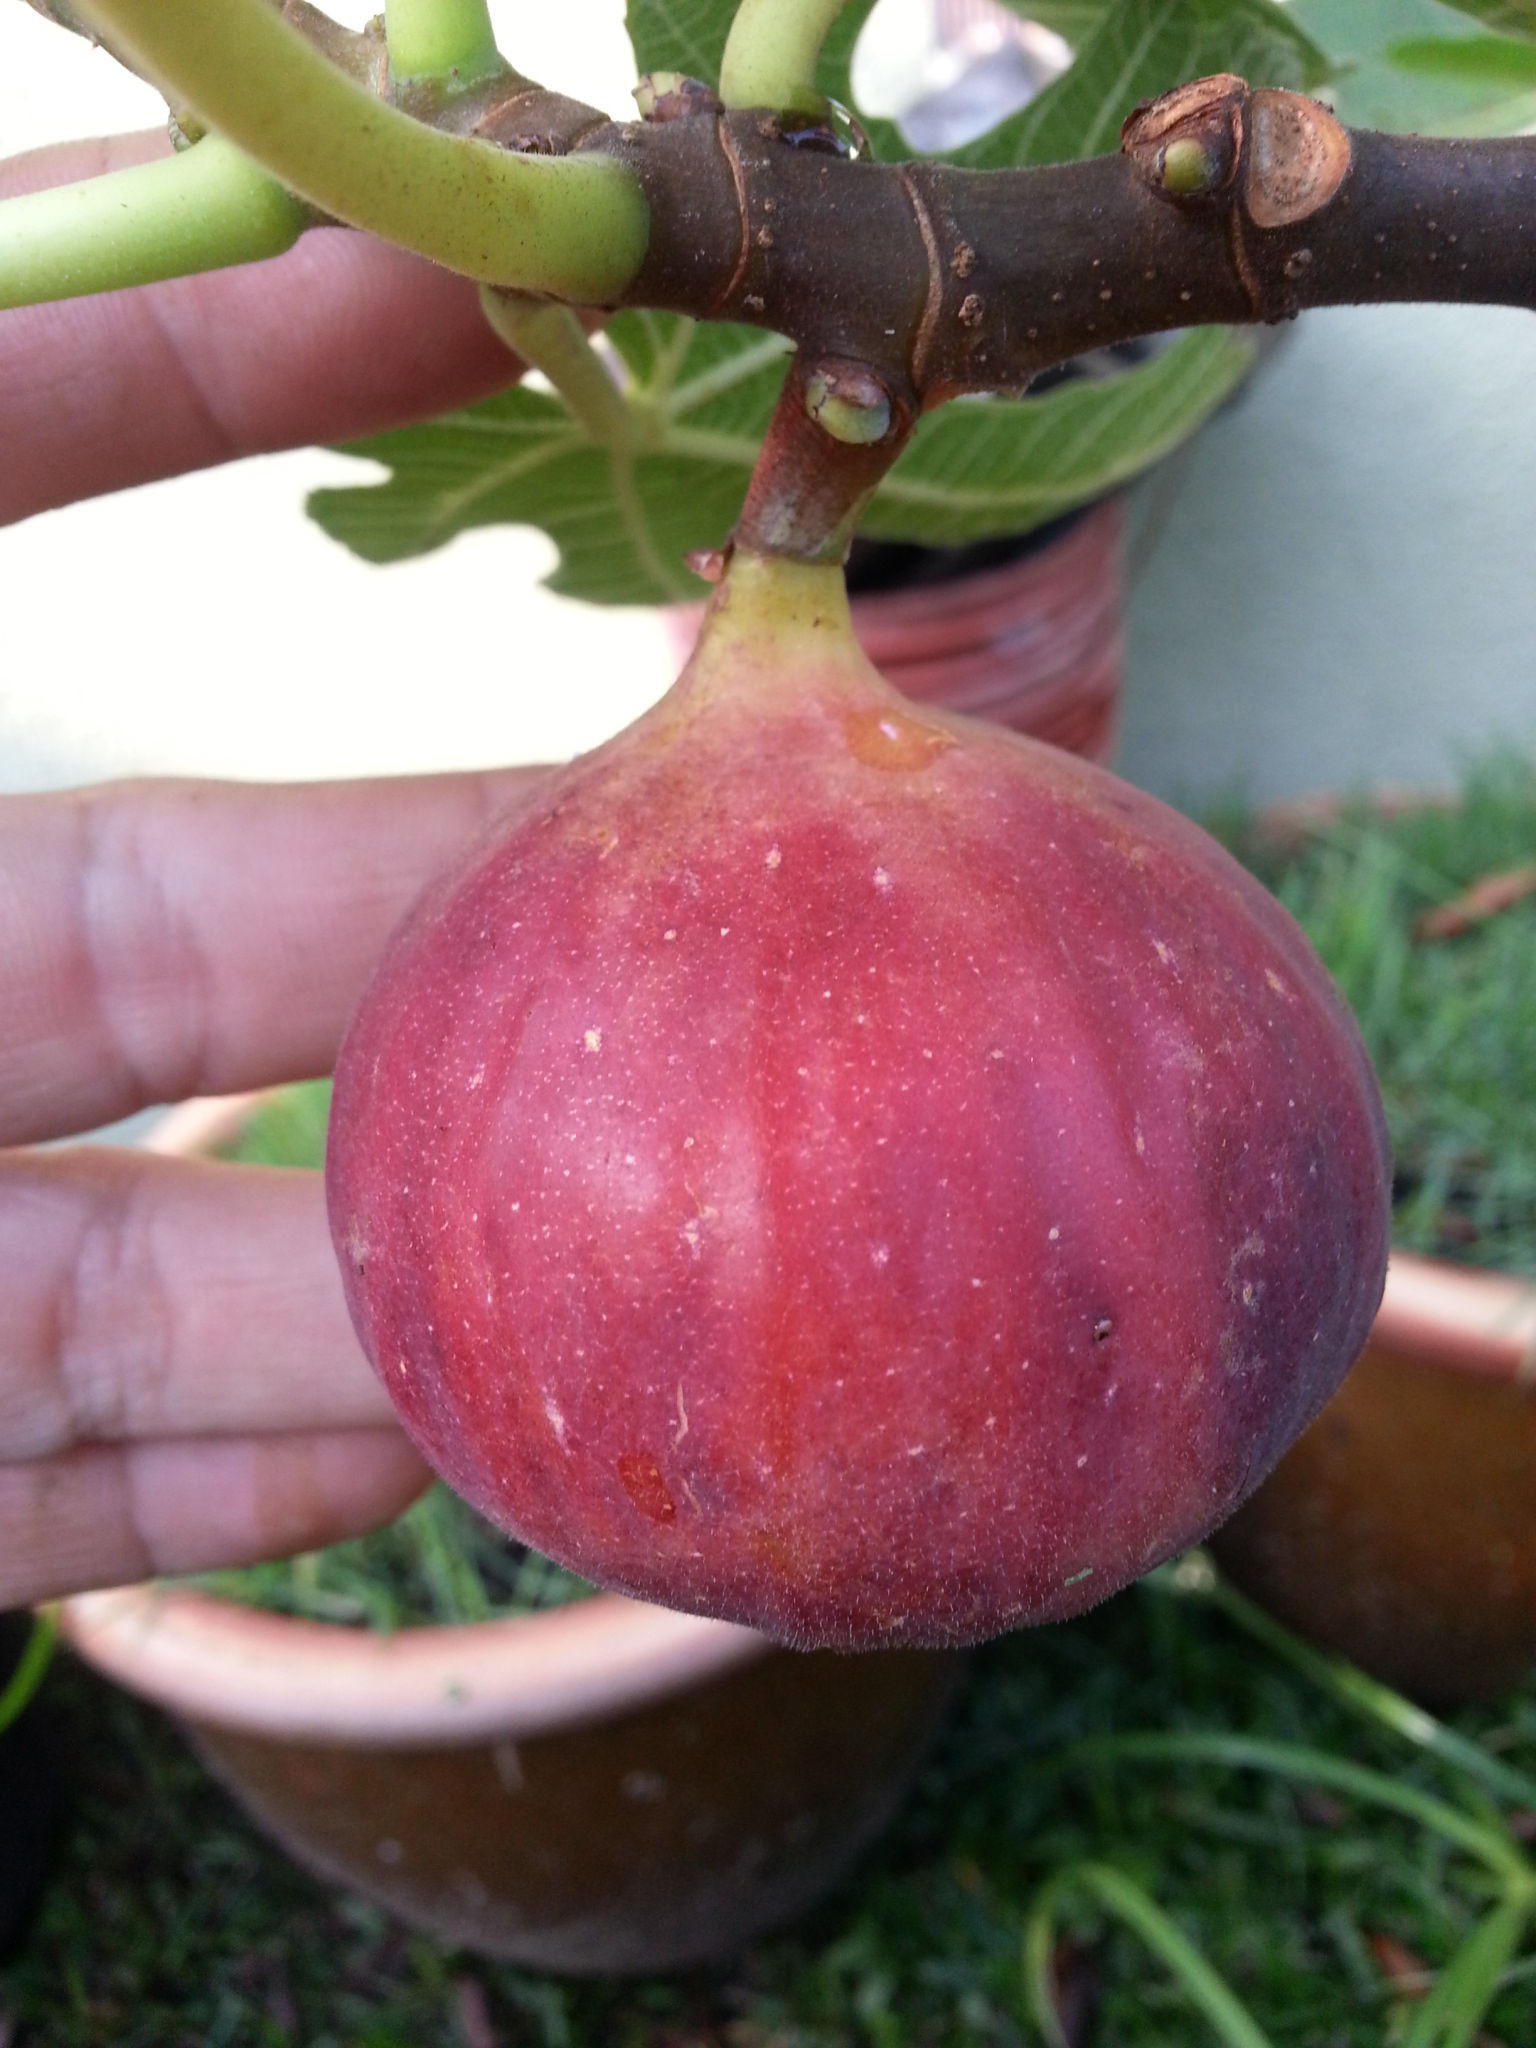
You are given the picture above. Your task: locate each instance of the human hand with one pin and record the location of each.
(180, 1386)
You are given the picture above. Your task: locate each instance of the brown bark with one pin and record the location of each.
(947, 280)
(926, 282)
(1223, 205)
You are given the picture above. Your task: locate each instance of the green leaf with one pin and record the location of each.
(1490, 1842)
(1371, 91)
(981, 467)
(31, 1667)
(623, 523)
(1195, 1577)
(1453, 2013)
(1506, 17)
(1138, 49)
(1479, 60)
(1121, 1897)
(1073, 20)
(680, 35)
(1127, 50)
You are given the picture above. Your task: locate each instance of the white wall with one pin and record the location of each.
(1339, 578)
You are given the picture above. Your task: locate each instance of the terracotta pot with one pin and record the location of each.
(601, 1787)
(1400, 1530)
(1037, 643)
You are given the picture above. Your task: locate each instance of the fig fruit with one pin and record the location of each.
(850, 1170)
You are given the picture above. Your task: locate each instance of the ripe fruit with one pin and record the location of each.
(849, 1170)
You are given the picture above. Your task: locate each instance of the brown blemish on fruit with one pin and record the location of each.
(889, 738)
(642, 1481)
(1296, 161)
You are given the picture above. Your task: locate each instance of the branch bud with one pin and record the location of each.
(849, 403)
(1188, 141)
(669, 96)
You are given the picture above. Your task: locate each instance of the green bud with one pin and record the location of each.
(654, 86)
(1187, 166)
(850, 406)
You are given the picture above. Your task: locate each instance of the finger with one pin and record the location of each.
(144, 1298)
(106, 1517)
(167, 939)
(340, 337)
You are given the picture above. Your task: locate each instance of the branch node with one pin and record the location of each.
(812, 481)
(849, 402)
(1189, 142)
(669, 96)
(1297, 161)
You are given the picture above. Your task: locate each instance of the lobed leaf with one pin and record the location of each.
(1474, 60)
(624, 523)
(1139, 48)
(1505, 17)
(680, 35)
(983, 467)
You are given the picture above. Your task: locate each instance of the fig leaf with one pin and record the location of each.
(623, 522)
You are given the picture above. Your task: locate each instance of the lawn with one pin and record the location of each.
(168, 1920)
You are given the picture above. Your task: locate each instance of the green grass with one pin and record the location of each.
(1450, 1024)
(440, 1562)
(170, 1922)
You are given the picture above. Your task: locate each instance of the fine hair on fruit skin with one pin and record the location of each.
(851, 1170)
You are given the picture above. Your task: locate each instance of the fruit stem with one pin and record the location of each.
(202, 209)
(573, 226)
(448, 40)
(771, 52)
(552, 339)
(771, 613)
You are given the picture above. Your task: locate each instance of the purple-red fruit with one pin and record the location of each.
(850, 1170)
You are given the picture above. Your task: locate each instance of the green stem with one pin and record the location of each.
(440, 39)
(1491, 1846)
(574, 226)
(771, 52)
(552, 339)
(1194, 1575)
(1117, 1894)
(206, 207)
(31, 1668)
(1453, 2013)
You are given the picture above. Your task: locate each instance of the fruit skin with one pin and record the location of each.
(849, 1170)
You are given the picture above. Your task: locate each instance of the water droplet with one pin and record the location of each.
(828, 128)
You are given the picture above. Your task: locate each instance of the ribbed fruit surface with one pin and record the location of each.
(852, 1171)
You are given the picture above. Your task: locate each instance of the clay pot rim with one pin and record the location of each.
(277, 1675)
(1462, 1318)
